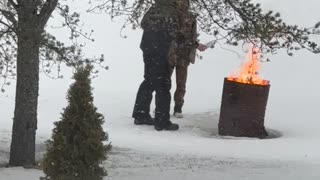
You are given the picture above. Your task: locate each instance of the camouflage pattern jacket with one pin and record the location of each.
(183, 50)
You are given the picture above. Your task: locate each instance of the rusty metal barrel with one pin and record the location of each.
(242, 109)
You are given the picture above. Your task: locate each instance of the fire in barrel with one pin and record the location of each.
(244, 101)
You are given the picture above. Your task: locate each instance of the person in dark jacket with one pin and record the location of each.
(160, 28)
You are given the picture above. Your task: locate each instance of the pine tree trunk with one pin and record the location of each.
(22, 151)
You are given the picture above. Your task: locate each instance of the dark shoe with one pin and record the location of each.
(177, 108)
(147, 120)
(169, 127)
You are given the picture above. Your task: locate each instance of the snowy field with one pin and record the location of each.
(196, 151)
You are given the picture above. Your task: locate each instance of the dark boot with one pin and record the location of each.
(144, 119)
(169, 126)
(177, 108)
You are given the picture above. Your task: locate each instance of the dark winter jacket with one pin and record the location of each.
(162, 16)
(173, 18)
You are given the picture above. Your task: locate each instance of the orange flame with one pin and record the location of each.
(248, 73)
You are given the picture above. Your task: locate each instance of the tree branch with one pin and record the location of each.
(46, 11)
(5, 24)
(13, 4)
(9, 16)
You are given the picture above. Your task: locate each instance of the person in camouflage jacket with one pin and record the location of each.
(182, 53)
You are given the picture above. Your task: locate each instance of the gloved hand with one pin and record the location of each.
(201, 47)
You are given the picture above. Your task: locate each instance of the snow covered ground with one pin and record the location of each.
(196, 151)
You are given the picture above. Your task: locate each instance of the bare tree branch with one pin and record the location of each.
(13, 4)
(9, 16)
(46, 11)
(5, 24)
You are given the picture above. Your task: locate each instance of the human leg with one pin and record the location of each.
(181, 79)
(161, 81)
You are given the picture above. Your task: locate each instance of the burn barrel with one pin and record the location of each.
(243, 109)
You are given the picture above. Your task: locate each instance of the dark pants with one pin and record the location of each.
(155, 47)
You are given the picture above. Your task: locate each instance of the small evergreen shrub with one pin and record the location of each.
(79, 144)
